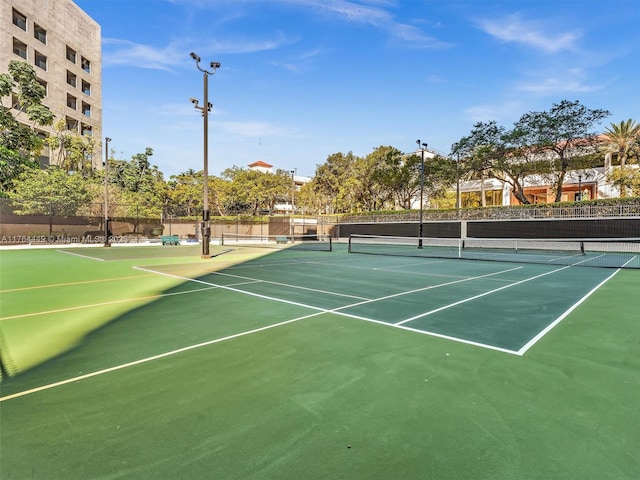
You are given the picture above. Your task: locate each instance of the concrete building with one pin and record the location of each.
(64, 45)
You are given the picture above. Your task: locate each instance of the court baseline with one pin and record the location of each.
(318, 311)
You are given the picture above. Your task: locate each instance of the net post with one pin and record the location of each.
(330, 244)
(349, 249)
(582, 248)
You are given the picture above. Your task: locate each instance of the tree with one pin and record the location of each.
(309, 200)
(398, 174)
(440, 174)
(330, 179)
(20, 144)
(564, 134)
(505, 154)
(185, 193)
(142, 185)
(49, 192)
(622, 139)
(626, 178)
(70, 151)
(249, 191)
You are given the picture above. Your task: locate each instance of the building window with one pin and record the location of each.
(71, 79)
(19, 48)
(44, 85)
(19, 20)
(71, 54)
(72, 124)
(86, 64)
(41, 60)
(16, 103)
(86, 87)
(40, 33)
(87, 129)
(72, 102)
(86, 109)
(45, 154)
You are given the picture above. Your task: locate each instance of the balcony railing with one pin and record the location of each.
(629, 208)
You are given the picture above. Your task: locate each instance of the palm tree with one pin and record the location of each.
(621, 138)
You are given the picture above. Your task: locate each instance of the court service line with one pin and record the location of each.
(102, 304)
(552, 325)
(422, 289)
(82, 256)
(290, 286)
(319, 311)
(84, 282)
(152, 358)
(237, 290)
(335, 310)
(338, 310)
(475, 297)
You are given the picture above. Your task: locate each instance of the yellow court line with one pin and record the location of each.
(86, 282)
(93, 305)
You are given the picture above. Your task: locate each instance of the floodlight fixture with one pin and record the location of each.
(205, 109)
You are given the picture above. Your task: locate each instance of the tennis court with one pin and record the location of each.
(309, 363)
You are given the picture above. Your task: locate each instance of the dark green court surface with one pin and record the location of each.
(255, 364)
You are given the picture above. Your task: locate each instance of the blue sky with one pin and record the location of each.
(303, 79)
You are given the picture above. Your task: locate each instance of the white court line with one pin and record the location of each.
(422, 289)
(232, 289)
(445, 307)
(83, 256)
(549, 327)
(149, 359)
(319, 311)
(256, 280)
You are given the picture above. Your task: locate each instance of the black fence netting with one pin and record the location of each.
(57, 221)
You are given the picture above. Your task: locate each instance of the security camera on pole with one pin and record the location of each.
(205, 109)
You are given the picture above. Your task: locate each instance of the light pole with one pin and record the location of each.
(205, 109)
(579, 196)
(293, 208)
(106, 192)
(458, 183)
(422, 147)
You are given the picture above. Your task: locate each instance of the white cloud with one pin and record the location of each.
(514, 29)
(251, 129)
(125, 53)
(570, 81)
(484, 113)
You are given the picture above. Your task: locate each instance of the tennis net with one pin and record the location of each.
(312, 242)
(595, 252)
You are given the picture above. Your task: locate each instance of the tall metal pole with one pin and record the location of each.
(206, 226)
(422, 147)
(293, 191)
(106, 192)
(205, 109)
(458, 183)
(579, 187)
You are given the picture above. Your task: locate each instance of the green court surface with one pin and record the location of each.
(152, 363)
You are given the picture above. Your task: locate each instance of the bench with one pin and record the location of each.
(282, 239)
(170, 240)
